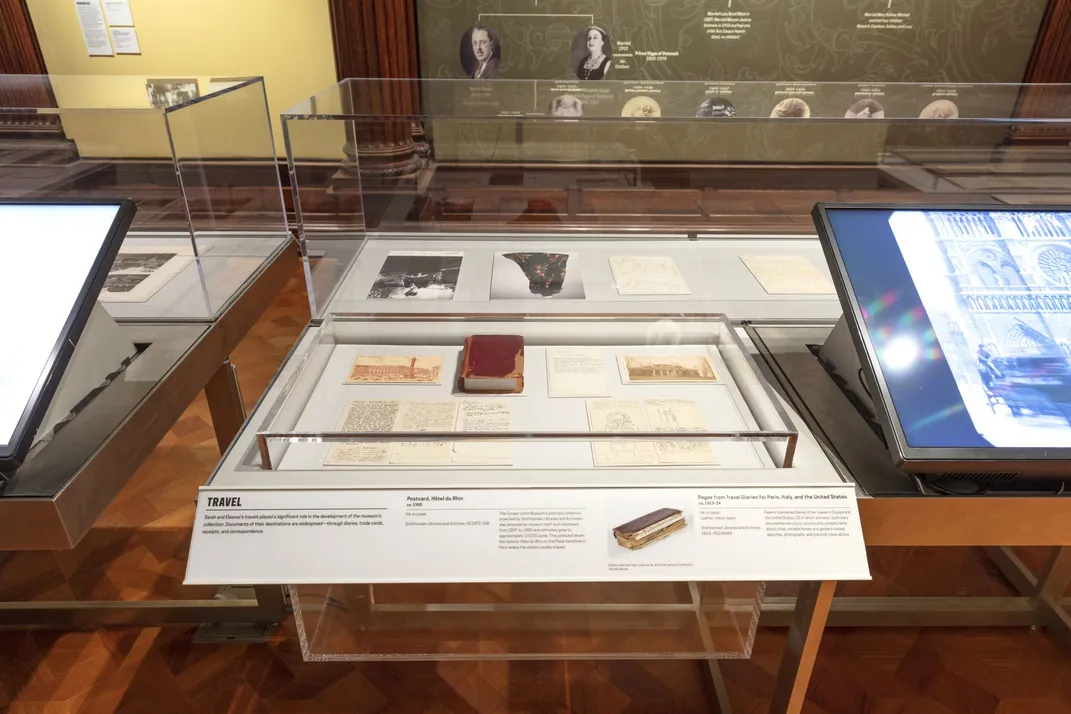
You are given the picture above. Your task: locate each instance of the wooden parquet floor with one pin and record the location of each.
(138, 550)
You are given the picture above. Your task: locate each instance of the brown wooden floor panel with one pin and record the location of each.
(139, 547)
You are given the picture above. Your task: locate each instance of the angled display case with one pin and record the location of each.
(495, 167)
(198, 159)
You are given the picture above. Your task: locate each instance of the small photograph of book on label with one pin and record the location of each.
(648, 528)
(412, 275)
(395, 369)
(669, 368)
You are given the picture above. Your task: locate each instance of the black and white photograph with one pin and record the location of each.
(865, 109)
(791, 108)
(481, 53)
(716, 108)
(417, 276)
(994, 286)
(591, 53)
(567, 105)
(139, 272)
(164, 93)
(940, 109)
(532, 275)
(641, 108)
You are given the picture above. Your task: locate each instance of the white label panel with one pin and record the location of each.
(525, 535)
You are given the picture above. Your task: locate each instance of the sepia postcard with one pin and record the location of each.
(669, 368)
(395, 369)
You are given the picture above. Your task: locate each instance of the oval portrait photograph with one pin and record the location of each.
(591, 53)
(566, 105)
(481, 52)
(716, 108)
(940, 109)
(865, 109)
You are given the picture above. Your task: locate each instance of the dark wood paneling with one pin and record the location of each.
(19, 51)
(1049, 64)
(20, 54)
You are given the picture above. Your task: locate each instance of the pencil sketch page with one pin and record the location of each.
(483, 415)
(647, 275)
(668, 368)
(787, 275)
(678, 415)
(366, 415)
(620, 415)
(576, 372)
(395, 369)
(424, 416)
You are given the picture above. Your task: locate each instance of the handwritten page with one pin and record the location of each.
(483, 415)
(366, 415)
(678, 415)
(788, 275)
(576, 372)
(424, 416)
(647, 275)
(620, 416)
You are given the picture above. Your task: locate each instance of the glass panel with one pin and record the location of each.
(439, 159)
(194, 164)
(702, 620)
(701, 383)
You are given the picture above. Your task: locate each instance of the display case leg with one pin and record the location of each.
(1016, 572)
(271, 609)
(801, 646)
(225, 404)
(1048, 596)
(719, 693)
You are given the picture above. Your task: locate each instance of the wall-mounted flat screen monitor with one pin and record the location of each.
(54, 258)
(962, 320)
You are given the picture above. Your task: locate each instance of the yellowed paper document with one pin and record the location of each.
(678, 415)
(647, 275)
(576, 372)
(366, 415)
(483, 415)
(620, 416)
(424, 416)
(788, 275)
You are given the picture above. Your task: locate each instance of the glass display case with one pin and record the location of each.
(657, 167)
(198, 159)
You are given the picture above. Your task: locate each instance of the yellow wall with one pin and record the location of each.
(288, 42)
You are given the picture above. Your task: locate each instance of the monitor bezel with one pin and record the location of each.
(14, 452)
(915, 459)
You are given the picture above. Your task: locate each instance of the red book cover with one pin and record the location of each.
(494, 357)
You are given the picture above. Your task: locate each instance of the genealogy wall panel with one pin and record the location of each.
(757, 59)
(774, 40)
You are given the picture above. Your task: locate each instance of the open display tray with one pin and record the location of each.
(712, 269)
(171, 283)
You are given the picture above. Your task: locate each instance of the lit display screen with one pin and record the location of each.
(969, 316)
(47, 253)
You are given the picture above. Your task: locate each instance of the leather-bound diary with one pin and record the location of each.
(492, 364)
(648, 528)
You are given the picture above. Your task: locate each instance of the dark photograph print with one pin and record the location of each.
(417, 276)
(591, 53)
(481, 54)
(518, 276)
(566, 105)
(791, 108)
(865, 109)
(716, 108)
(123, 283)
(164, 93)
(940, 109)
(138, 263)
